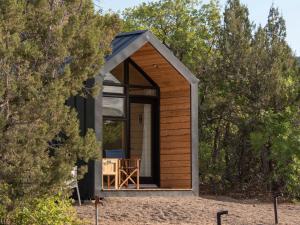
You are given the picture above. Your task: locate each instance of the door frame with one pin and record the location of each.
(155, 100)
(155, 146)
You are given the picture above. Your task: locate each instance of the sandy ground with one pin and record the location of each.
(187, 210)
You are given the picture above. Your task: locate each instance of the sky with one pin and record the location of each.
(258, 10)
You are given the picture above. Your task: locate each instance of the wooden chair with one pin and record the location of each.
(129, 171)
(110, 167)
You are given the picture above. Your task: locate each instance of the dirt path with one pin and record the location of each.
(188, 210)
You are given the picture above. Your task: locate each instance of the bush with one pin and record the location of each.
(278, 137)
(56, 210)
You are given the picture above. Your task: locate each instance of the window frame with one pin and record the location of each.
(127, 96)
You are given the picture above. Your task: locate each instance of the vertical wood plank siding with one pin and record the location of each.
(175, 118)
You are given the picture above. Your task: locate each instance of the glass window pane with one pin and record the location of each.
(116, 76)
(113, 89)
(142, 91)
(113, 106)
(113, 135)
(136, 78)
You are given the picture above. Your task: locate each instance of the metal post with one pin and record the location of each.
(96, 210)
(219, 214)
(275, 209)
(78, 194)
(275, 202)
(98, 201)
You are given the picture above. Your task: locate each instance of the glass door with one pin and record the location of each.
(142, 141)
(131, 117)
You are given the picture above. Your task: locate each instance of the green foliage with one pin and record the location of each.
(186, 26)
(111, 133)
(47, 50)
(55, 210)
(279, 135)
(4, 201)
(254, 74)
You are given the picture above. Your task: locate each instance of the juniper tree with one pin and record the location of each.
(276, 137)
(48, 48)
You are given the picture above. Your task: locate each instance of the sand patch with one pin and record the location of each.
(188, 210)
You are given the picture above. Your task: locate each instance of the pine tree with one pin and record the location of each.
(276, 137)
(48, 48)
(225, 142)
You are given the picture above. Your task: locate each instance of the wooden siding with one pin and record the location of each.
(175, 118)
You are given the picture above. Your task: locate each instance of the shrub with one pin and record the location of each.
(55, 210)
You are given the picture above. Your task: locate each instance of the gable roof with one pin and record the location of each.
(125, 44)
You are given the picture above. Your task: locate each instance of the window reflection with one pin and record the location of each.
(113, 135)
(116, 76)
(113, 89)
(113, 106)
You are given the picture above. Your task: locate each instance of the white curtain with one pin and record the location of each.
(146, 147)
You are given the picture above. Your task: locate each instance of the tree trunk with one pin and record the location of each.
(226, 144)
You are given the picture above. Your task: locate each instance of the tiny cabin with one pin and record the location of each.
(148, 110)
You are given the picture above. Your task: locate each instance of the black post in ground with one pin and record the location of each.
(98, 201)
(219, 214)
(275, 196)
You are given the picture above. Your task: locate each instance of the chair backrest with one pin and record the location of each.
(110, 166)
(114, 154)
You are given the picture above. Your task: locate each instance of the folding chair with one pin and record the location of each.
(129, 172)
(110, 167)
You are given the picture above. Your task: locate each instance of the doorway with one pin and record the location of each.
(143, 138)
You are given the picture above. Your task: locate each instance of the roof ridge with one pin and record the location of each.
(131, 33)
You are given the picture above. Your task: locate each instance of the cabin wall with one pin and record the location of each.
(175, 138)
(175, 118)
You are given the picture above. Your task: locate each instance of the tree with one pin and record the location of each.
(257, 76)
(48, 48)
(224, 119)
(277, 141)
(187, 27)
(275, 137)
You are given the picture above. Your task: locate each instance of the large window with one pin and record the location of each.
(113, 135)
(124, 81)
